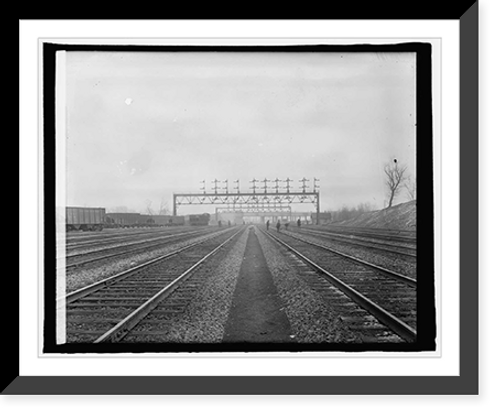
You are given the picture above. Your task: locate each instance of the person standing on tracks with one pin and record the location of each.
(278, 225)
(267, 225)
(298, 222)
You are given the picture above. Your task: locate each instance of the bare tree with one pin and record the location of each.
(394, 178)
(149, 210)
(411, 188)
(164, 206)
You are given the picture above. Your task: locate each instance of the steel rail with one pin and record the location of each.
(374, 234)
(389, 273)
(147, 244)
(343, 238)
(396, 325)
(84, 291)
(130, 243)
(85, 241)
(120, 330)
(117, 238)
(87, 237)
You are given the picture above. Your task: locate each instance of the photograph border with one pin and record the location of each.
(426, 302)
(465, 383)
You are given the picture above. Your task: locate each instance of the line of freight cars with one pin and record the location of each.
(95, 219)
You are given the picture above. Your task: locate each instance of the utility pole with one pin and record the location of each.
(317, 210)
(215, 181)
(253, 187)
(315, 187)
(304, 186)
(276, 187)
(316, 190)
(265, 184)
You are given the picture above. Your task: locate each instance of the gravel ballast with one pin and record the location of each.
(313, 317)
(204, 318)
(80, 277)
(126, 241)
(391, 261)
(312, 320)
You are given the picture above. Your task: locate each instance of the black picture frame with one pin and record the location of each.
(465, 383)
(426, 299)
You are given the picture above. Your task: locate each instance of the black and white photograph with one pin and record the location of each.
(241, 198)
(224, 213)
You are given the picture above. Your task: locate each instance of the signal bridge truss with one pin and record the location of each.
(247, 201)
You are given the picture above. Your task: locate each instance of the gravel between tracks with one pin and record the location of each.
(311, 318)
(78, 278)
(391, 261)
(126, 241)
(204, 318)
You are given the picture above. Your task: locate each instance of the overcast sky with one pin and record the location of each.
(141, 125)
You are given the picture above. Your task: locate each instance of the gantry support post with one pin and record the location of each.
(317, 208)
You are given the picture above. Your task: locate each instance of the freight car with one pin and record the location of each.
(167, 220)
(134, 219)
(84, 218)
(177, 220)
(199, 219)
(124, 219)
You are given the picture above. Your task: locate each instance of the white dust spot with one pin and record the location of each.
(128, 101)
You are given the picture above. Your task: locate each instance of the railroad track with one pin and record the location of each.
(408, 237)
(115, 238)
(135, 302)
(390, 297)
(403, 250)
(116, 251)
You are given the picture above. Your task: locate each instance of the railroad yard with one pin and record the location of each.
(234, 200)
(234, 284)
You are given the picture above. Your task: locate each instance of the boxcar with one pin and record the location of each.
(160, 220)
(178, 220)
(145, 220)
(167, 220)
(84, 218)
(123, 219)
